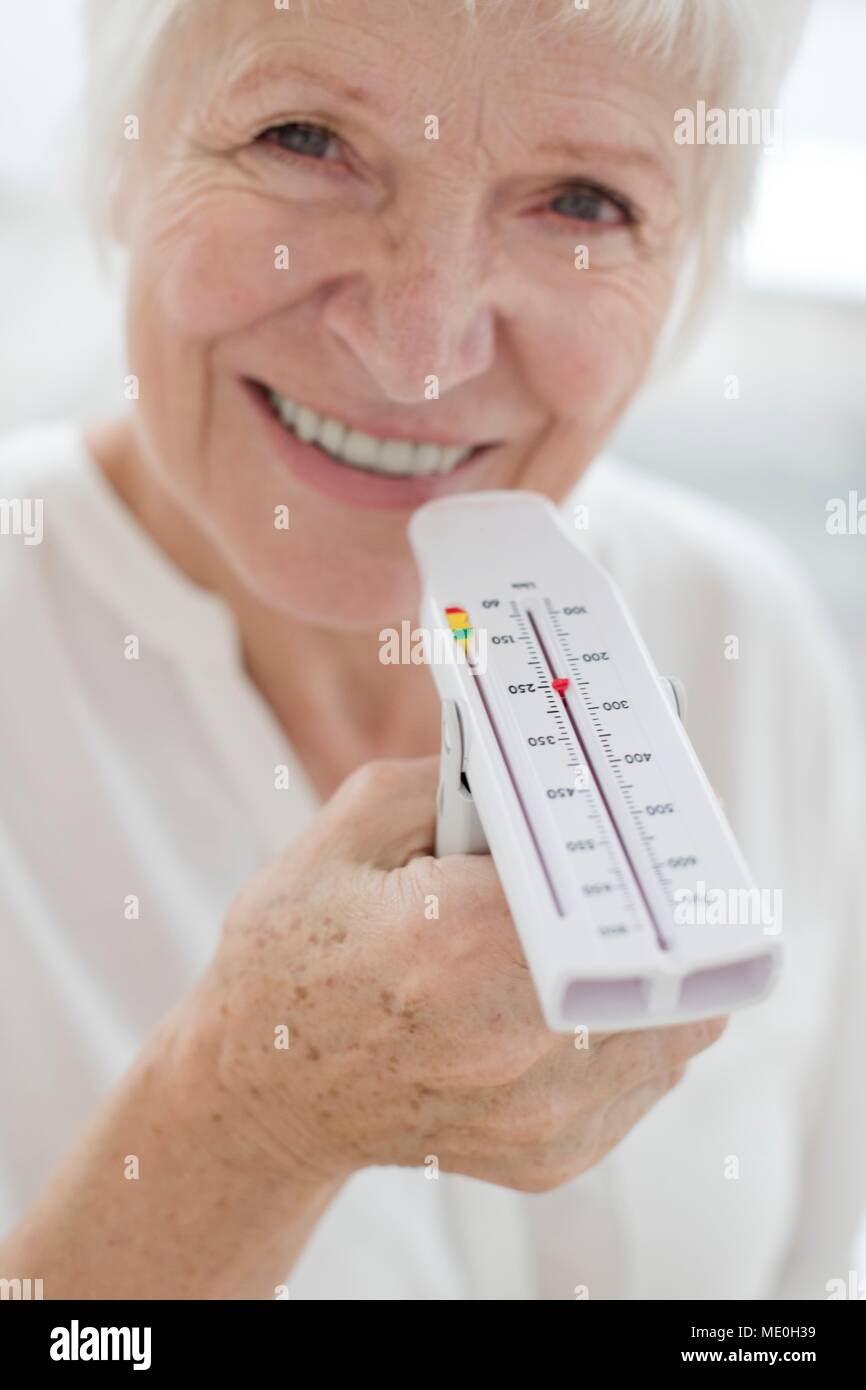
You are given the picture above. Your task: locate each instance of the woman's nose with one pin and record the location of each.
(419, 311)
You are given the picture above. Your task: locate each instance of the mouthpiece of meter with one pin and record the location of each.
(564, 754)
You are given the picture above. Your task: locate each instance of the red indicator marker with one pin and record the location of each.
(560, 684)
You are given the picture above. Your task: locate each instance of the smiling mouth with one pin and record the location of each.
(374, 454)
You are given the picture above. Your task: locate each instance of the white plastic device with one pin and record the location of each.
(564, 754)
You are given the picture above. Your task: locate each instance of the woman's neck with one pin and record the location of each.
(339, 706)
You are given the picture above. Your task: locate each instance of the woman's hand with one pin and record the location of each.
(412, 1028)
(370, 1004)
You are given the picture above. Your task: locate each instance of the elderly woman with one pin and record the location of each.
(380, 253)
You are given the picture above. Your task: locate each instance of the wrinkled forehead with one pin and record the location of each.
(498, 68)
(430, 35)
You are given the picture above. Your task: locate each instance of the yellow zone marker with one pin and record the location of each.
(458, 621)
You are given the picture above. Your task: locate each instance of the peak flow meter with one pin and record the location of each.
(564, 755)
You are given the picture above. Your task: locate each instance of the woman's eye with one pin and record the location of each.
(583, 203)
(302, 138)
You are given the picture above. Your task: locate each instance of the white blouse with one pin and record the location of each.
(155, 778)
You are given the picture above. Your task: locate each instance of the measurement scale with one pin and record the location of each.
(564, 755)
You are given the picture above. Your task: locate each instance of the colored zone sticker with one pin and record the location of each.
(458, 621)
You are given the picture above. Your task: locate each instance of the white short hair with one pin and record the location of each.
(736, 52)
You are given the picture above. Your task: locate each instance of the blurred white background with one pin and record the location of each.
(792, 329)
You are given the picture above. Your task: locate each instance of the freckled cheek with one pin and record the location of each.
(225, 268)
(582, 371)
(593, 352)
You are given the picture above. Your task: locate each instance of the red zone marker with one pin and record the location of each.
(560, 684)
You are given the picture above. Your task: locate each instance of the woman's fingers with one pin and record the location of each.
(545, 1164)
(634, 1056)
(567, 1082)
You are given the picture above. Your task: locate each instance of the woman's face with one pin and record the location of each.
(372, 218)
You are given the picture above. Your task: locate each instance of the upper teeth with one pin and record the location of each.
(392, 456)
